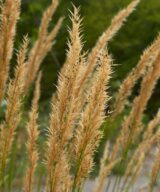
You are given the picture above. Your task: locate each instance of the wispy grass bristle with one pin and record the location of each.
(33, 134)
(43, 43)
(13, 111)
(8, 31)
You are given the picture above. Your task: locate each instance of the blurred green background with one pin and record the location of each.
(138, 32)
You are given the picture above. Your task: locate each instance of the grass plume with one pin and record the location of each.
(8, 31)
(13, 111)
(43, 43)
(33, 133)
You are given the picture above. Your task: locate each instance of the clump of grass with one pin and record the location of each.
(77, 108)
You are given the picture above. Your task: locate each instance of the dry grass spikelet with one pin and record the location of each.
(146, 60)
(14, 103)
(140, 102)
(88, 134)
(9, 17)
(64, 109)
(43, 43)
(33, 132)
(107, 35)
(132, 125)
(75, 44)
